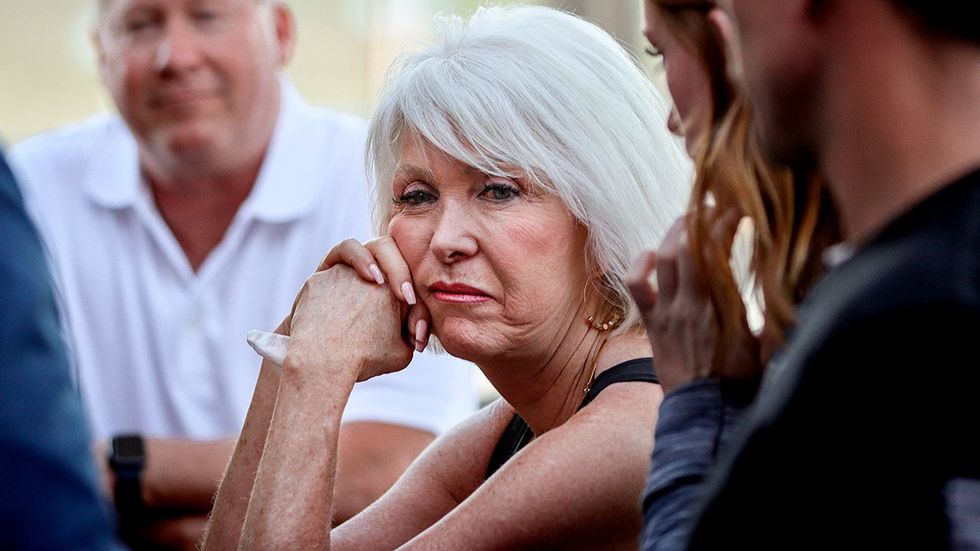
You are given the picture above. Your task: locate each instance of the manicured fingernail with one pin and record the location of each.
(376, 272)
(420, 327)
(408, 292)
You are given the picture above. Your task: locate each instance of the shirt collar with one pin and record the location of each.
(295, 166)
(114, 180)
(285, 189)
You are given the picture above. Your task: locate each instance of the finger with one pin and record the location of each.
(393, 264)
(357, 256)
(667, 259)
(641, 280)
(688, 276)
(420, 326)
(672, 239)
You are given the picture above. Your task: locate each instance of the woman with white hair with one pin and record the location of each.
(520, 163)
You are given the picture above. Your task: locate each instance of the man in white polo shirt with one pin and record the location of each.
(190, 220)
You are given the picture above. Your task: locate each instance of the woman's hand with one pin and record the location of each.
(676, 308)
(682, 323)
(373, 261)
(341, 321)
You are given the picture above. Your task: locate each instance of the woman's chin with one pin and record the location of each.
(467, 340)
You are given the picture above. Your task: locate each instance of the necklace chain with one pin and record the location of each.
(595, 363)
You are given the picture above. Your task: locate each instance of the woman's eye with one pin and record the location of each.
(414, 197)
(653, 51)
(501, 192)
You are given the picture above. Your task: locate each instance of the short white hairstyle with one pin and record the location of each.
(557, 99)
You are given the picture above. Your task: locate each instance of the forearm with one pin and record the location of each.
(696, 420)
(178, 484)
(291, 503)
(184, 474)
(231, 502)
(370, 458)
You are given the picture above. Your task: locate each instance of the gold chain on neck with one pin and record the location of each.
(595, 363)
(601, 326)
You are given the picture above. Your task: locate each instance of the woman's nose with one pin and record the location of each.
(674, 123)
(453, 238)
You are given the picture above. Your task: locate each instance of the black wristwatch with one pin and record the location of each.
(127, 457)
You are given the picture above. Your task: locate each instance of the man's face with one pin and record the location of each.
(195, 80)
(777, 47)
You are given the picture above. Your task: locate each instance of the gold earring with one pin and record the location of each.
(597, 324)
(605, 325)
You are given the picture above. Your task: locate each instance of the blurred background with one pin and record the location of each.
(344, 48)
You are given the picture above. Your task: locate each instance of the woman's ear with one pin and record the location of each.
(726, 30)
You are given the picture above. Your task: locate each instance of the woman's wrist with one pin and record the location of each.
(325, 366)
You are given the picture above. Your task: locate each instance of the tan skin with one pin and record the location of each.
(521, 323)
(197, 83)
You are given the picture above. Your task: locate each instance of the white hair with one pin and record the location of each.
(557, 99)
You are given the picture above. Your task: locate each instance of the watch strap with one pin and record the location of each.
(127, 459)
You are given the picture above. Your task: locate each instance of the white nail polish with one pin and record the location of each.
(376, 272)
(408, 292)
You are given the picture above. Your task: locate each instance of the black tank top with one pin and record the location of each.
(518, 432)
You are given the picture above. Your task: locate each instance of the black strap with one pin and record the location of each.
(514, 438)
(639, 370)
(518, 433)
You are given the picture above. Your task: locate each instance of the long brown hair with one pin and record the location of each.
(792, 217)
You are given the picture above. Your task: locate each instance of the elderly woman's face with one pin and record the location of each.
(500, 266)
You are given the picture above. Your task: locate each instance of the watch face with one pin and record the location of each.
(127, 452)
(129, 446)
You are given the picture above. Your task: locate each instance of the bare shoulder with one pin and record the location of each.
(621, 407)
(614, 433)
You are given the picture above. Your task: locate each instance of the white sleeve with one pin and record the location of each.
(433, 393)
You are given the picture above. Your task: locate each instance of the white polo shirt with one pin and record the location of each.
(161, 349)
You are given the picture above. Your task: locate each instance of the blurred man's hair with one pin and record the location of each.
(951, 19)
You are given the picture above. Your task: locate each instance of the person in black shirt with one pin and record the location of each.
(862, 431)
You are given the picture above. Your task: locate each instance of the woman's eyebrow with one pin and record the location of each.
(413, 172)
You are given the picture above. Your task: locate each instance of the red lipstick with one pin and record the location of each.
(458, 293)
